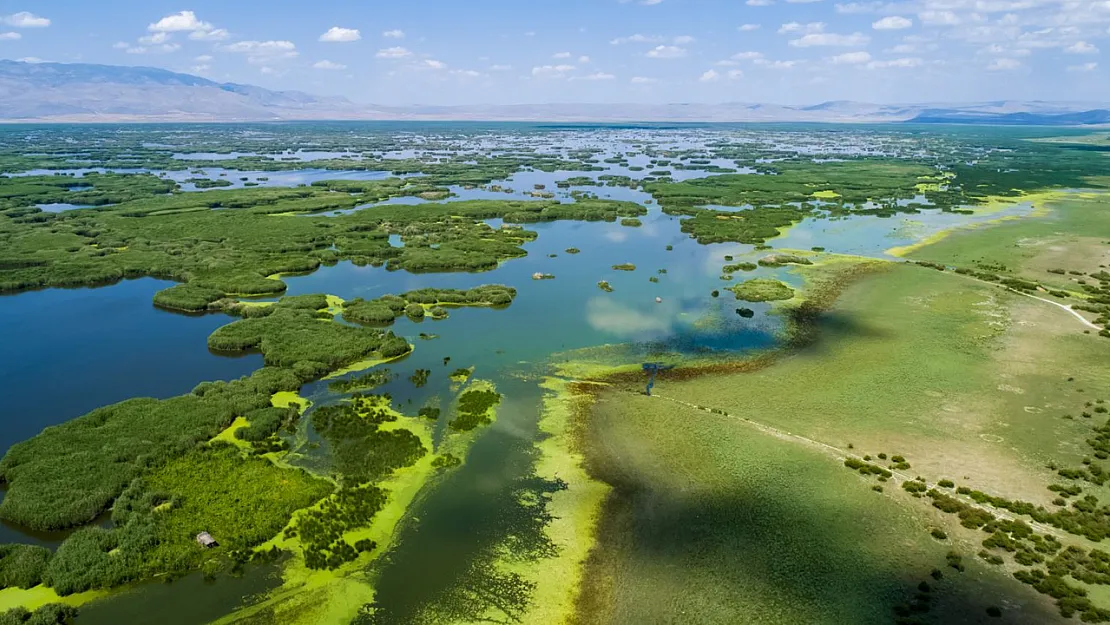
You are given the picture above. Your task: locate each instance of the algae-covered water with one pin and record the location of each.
(66, 352)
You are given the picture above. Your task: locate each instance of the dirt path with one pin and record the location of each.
(841, 455)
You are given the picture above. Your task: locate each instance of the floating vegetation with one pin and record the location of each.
(625, 267)
(604, 286)
(762, 290)
(475, 407)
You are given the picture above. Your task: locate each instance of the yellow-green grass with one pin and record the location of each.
(575, 511)
(934, 367)
(363, 365)
(228, 435)
(322, 597)
(285, 399)
(1070, 233)
(713, 521)
(38, 596)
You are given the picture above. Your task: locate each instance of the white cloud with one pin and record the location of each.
(434, 64)
(204, 58)
(500, 68)
(801, 1)
(795, 27)
(121, 45)
(638, 38)
(747, 56)
(561, 55)
(164, 48)
(851, 58)
(337, 34)
(902, 62)
(710, 76)
(10, 36)
(326, 64)
(892, 22)
(1081, 47)
(552, 71)
(261, 52)
(727, 63)
(747, 28)
(759, 3)
(396, 33)
(267, 70)
(583, 59)
(24, 19)
(466, 73)
(769, 64)
(1086, 67)
(1004, 64)
(596, 76)
(666, 52)
(185, 21)
(938, 18)
(643, 80)
(853, 40)
(683, 40)
(734, 74)
(156, 38)
(200, 69)
(216, 34)
(396, 52)
(30, 59)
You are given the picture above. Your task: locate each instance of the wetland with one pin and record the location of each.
(325, 347)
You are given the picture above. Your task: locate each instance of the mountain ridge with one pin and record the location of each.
(79, 92)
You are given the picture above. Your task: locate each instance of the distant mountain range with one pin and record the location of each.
(64, 92)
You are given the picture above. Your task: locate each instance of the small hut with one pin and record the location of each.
(204, 539)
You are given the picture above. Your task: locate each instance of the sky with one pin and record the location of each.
(448, 52)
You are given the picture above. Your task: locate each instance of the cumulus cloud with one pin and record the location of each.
(396, 52)
(583, 59)
(1081, 47)
(261, 52)
(25, 19)
(853, 40)
(595, 76)
(326, 64)
(643, 80)
(710, 76)
(747, 56)
(892, 22)
(185, 21)
(500, 68)
(637, 38)
(666, 52)
(433, 64)
(337, 34)
(216, 34)
(394, 34)
(796, 27)
(902, 62)
(561, 55)
(851, 58)
(10, 36)
(747, 28)
(684, 40)
(552, 71)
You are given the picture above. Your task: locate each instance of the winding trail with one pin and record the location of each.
(841, 455)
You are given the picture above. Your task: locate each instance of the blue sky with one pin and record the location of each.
(533, 51)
